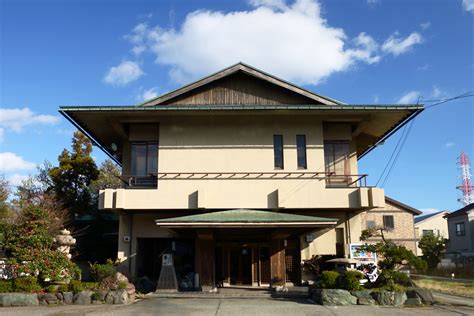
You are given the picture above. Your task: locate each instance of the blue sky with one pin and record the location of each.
(358, 51)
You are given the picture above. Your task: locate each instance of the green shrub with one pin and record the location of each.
(6, 286)
(52, 288)
(90, 285)
(76, 286)
(329, 279)
(122, 285)
(26, 284)
(63, 288)
(96, 296)
(350, 280)
(102, 271)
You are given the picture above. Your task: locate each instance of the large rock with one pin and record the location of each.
(117, 297)
(424, 295)
(399, 298)
(48, 298)
(68, 297)
(389, 298)
(18, 299)
(120, 277)
(413, 301)
(364, 297)
(334, 297)
(83, 298)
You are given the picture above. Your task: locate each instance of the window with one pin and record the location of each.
(370, 224)
(427, 232)
(336, 158)
(278, 151)
(388, 222)
(144, 159)
(460, 229)
(301, 151)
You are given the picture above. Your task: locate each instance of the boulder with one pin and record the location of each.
(68, 297)
(399, 298)
(117, 297)
(83, 298)
(424, 295)
(334, 297)
(60, 297)
(413, 301)
(18, 299)
(364, 297)
(384, 297)
(48, 298)
(119, 277)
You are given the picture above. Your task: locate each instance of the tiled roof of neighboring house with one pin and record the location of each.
(245, 217)
(461, 211)
(423, 217)
(402, 205)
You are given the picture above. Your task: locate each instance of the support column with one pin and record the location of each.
(205, 259)
(277, 262)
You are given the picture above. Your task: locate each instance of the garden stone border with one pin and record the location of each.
(335, 297)
(68, 298)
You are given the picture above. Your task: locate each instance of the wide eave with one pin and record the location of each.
(372, 124)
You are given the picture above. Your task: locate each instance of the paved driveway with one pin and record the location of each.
(246, 307)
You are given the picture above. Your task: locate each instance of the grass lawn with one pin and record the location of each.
(449, 287)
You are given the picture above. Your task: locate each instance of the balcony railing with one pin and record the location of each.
(332, 180)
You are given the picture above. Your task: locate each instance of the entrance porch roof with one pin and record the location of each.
(246, 218)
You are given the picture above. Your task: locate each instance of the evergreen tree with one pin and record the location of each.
(433, 247)
(71, 179)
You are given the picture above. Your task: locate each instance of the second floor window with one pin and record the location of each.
(370, 224)
(460, 229)
(278, 151)
(388, 222)
(336, 158)
(144, 159)
(301, 151)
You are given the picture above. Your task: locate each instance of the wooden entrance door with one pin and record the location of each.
(240, 265)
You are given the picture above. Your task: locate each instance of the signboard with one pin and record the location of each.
(167, 260)
(359, 254)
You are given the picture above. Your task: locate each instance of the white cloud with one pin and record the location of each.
(396, 45)
(148, 94)
(409, 97)
(124, 73)
(16, 119)
(449, 144)
(427, 211)
(425, 25)
(290, 40)
(372, 3)
(468, 5)
(12, 162)
(16, 179)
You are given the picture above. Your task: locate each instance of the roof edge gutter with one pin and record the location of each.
(88, 135)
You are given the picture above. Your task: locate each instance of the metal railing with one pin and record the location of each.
(332, 180)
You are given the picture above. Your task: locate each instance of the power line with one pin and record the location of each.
(442, 101)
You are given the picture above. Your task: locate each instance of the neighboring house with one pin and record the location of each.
(435, 223)
(240, 175)
(461, 231)
(397, 219)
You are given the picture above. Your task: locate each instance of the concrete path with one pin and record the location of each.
(247, 307)
(447, 299)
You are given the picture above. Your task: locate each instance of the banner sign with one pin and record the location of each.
(359, 254)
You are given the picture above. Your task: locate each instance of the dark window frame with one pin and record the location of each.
(132, 160)
(301, 152)
(386, 223)
(460, 232)
(427, 232)
(336, 179)
(278, 152)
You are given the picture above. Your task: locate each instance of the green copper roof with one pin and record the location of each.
(243, 107)
(244, 216)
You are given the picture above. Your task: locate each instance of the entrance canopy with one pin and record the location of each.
(245, 218)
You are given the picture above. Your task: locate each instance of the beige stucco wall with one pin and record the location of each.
(241, 144)
(437, 223)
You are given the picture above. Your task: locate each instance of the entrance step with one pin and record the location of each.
(247, 293)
